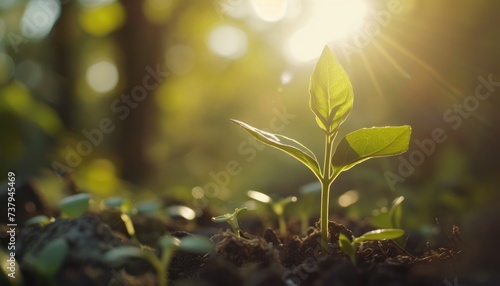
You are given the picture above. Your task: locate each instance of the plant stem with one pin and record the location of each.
(166, 258)
(282, 224)
(326, 182)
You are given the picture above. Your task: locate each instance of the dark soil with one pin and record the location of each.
(265, 259)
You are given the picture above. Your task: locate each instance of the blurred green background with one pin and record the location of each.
(133, 97)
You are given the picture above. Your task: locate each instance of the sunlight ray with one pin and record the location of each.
(452, 88)
(373, 78)
(391, 59)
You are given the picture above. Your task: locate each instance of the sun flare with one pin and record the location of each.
(329, 21)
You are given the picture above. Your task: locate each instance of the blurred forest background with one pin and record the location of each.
(133, 97)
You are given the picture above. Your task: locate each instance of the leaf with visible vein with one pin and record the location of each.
(283, 143)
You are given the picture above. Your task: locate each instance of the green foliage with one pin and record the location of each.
(75, 205)
(39, 219)
(278, 207)
(284, 144)
(169, 245)
(389, 218)
(366, 143)
(331, 102)
(350, 247)
(124, 206)
(49, 260)
(231, 219)
(331, 93)
(309, 193)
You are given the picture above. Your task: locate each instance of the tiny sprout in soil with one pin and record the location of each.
(124, 206)
(278, 207)
(231, 219)
(169, 245)
(331, 100)
(350, 248)
(75, 205)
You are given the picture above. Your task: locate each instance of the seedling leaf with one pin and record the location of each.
(181, 211)
(346, 245)
(283, 143)
(196, 244)
(120, 254)
(331, 92)
(113, 202)
(48, 261)
(379, 234)
(367, 143)
(169, 242)
(39, 219)
(75, 205)
(396, 212)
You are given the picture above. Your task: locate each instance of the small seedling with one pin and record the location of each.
(309, 193)
(389, 218)
(278, 207)
(39, 219)
(47, 262)
(231, 219)
(169, 245)
(331, 101)
(75, 205)
(350, 247)
(124, 206)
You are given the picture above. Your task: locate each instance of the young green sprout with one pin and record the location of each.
(231, 219)
(389, 218)
(39, 219)
(309, 193)
(47, 262)
(124, 206)
(278, 207)
(350, 248)
(169, 245)
(331, 100)
(75, 205)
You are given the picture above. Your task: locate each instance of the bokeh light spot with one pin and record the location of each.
(348, 198)
(286, 78)
(270, 10)
(103, 19)
(180, 59)
(330, 21)
(198, 192)
(39, 18)
(102, 76)
(158, 11)
(228, 41)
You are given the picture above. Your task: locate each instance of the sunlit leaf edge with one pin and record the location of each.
(273, 140)
(340, 167)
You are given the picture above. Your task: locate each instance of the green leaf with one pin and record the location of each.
(380, 234)
(39, 219)
(331, 92)
(366, 143)
(196, 244)
(48, 261)
(75, 205)
(121, 254)
(168, 242)
(396, 212)
(283, 143)
(346, 245)
(114, 202)
(229, 216)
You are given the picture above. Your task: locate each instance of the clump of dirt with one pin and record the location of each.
(245, 250)
(87, 238)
